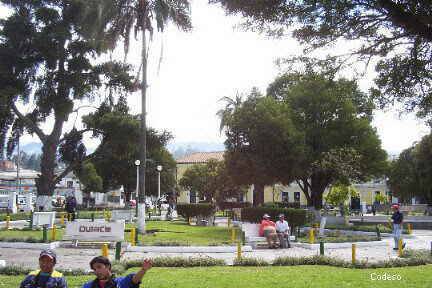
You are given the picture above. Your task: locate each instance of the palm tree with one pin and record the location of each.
(225, 114)
(144, 16)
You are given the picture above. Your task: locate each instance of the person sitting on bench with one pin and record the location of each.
(283, 232)
(267, 229)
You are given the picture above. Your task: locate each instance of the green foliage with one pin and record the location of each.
(178, 262)
(115, 157)
(194, 210)
(212, 181)
(13, 217)
(249, 261)
(295, 217)
(310, 128)
(89, 177)
(381, 199)
(339, 194)
(395, 34)
(411, 174)
(49, 63)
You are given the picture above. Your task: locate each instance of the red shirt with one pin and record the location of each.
(265, 223)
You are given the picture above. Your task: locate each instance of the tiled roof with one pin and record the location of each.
(201, 157)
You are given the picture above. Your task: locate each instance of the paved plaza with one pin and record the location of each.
(79, 258)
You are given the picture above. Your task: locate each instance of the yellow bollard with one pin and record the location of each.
(233, 235)
(105, 250)
(409, 228)
(132, 236)
(400, 248)
(7, 222)
(62, 219)
(53, 232)
(353, 253)
(229, 222)
(311, 236)
(239, 250)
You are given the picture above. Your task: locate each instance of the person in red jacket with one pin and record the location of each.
(268, 229)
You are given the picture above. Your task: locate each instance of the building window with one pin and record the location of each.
(192, 196)
(297, 196)
(69, 184)
(285, 196)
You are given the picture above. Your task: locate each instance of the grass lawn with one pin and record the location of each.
(28, 235)
(161, 233)
(268, 277)
(180, 233)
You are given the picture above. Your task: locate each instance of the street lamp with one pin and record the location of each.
(137, 164)
(159, 169)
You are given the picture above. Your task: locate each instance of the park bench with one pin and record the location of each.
(251, 235)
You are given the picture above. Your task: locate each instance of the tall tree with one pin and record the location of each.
(125, 16)
(114, 158)
(47, 58)
(261, 143)
(398, 34)
(311, 129)
(211, 181)
(335, 119)
(411, 174)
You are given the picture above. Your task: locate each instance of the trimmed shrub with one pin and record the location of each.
(295, 205)
(232, 205)
(248, 261)
(195, 210)
(295, 217)
(178, 262)
(14, 217)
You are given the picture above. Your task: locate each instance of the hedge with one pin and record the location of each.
(232, 205)
(295, 205)
(295, 217)
(194, 210)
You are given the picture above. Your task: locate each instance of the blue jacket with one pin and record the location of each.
(117, 282)
(56, 280)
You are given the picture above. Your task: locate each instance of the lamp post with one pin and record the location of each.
(159, 169)
(137, 164)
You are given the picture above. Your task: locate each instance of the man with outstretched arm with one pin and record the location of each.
(106, 279)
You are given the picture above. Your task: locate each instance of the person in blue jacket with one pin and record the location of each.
(46, 276)
(106, 279)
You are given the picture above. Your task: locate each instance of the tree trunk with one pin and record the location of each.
(318, 185)
(143, 135)
(258, 195)
(45, 184)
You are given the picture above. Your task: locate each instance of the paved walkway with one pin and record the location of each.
(75, 258)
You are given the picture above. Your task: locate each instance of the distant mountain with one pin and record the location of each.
(180, 149)
(32, 148)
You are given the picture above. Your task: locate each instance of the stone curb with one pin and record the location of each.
(187, 249)
(34, 246)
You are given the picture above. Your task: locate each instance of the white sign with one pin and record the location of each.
(95, 231)
(44, 218)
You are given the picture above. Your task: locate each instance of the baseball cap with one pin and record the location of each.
(50, 253)
(281, 215)
(266, 216)
(395, 206)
